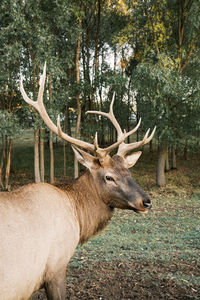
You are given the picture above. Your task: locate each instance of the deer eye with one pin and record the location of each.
(109, 178)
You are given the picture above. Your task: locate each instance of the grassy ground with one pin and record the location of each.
(161, 249)
(155, 256)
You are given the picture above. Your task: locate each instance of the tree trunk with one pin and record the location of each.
(64, 159)
(97, 37)
(76, 169)
(42, 168)
(103, 138)
(167, 168)
(35, 79)
(115, 60)
(88, 80)
(52, 178)
(2, 162)
(96, 55)
(185, 151)
(160, 172)
(64, 144)
(7, 173)
(173, 159)
(128, 116)
(36, 156)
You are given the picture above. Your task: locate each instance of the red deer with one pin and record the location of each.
(42, 224)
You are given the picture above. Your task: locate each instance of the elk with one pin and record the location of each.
(42, 224)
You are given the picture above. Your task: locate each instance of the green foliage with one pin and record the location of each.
(164, 66)
(167, 99)
(9, 124)
(161, 76)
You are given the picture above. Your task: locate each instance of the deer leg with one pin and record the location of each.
(56, 287)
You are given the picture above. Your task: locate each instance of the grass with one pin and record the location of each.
(166, 235)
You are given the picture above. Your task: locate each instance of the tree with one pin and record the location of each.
(9, 127)
(164, 37)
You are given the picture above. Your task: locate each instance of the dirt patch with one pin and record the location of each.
(124, 281)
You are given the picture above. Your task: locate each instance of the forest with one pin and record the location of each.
(147, 54)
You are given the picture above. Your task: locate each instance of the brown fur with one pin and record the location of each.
(41, 225)
(92, 213)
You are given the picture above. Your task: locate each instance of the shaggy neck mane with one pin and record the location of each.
(92, 213)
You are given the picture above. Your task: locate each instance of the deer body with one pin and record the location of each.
(41, 224)
(38, 235)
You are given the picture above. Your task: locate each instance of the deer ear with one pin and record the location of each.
(84, 158)
(130, 160)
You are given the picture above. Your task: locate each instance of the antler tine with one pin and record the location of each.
(41, 89)
(125, 148)
(96, 141)
(103, 152)
(134, 129)
(111, 117)
(39, 106)
(24, 95)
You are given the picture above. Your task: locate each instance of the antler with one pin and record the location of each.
(123, 147)
(39, 106)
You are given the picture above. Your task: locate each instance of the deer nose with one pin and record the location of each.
(147, 203)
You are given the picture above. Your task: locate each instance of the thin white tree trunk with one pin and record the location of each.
(36, 156)
(160, 171)
(42, 167)
(167, 162)
(52, 178)
(7, 173)
(76, 169)
(2, 162)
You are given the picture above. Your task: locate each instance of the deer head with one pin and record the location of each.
(112, 178)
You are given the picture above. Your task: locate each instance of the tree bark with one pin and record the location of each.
(76, 169)
(115, 60)
(185, 150)
(7, 173)
(174, 159)
(36, 156)
(52, 178)
(160, 171)
(64, 143)
(167, 168)
(2, 162)
(97, 37)
(42, 168)
(64, 159)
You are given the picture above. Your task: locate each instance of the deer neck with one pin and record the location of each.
(92, 213)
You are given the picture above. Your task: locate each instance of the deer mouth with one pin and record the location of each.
(140, 209)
